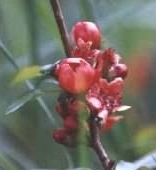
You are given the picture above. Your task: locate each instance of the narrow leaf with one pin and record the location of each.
(21, 102)
(26, 73)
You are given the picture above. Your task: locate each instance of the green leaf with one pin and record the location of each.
(22, 101)
(27, 73)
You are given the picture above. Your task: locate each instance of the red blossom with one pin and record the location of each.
(71, 124)
(105, 95)
(75, 75)
(92, 84)
(88, 32)
(60, 135)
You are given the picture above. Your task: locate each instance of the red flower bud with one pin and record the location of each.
(88, 32)
(60, 135)
(62, 111)
(75, 75)
(118, 70)
(63, 137)
(111, 57)
(71, 123)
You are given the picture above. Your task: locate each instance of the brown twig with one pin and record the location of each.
(61, 25)
(97, 146)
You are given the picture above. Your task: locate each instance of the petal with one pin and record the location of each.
(72, 60)
(116, 86)
(103, 84)
(84, 76)
(111, 120)
(66, 77)
(103, 115)
(94, 102)
(121, 108)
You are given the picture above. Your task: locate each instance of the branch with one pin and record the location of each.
(61, 25)
(97, 146)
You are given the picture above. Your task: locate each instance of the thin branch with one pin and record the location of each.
(61, 25)
(97, 146)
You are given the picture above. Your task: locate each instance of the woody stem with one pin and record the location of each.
(97, 146)
(61, 25)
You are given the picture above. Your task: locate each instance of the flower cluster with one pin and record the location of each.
(91, 82)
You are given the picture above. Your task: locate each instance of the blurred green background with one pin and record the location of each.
(28, 30)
